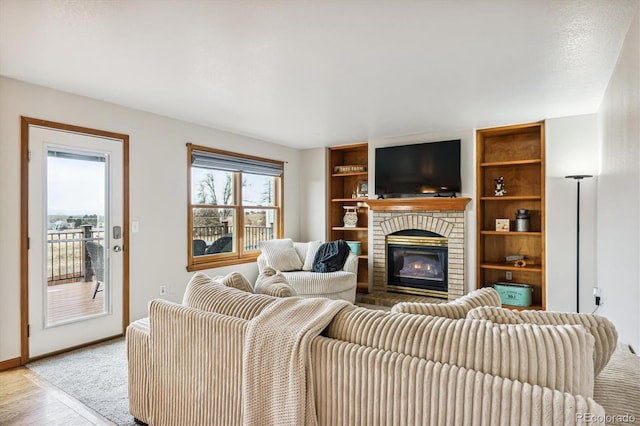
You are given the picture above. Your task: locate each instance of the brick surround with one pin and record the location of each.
(449, 224)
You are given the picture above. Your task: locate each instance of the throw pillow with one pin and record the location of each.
(312, 249)
(456, 309)
(237, 280)
(493, 314)
(267, 277)
(279, 290)
(603, 330)
(447, 310)
(281, 255)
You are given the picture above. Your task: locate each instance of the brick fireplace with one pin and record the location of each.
(441, 216)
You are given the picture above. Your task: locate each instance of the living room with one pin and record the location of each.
(601, 141)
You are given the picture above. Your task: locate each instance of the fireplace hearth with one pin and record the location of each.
(417, 263)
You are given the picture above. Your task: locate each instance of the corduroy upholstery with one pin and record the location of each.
(603, 330)
(369, 367)
(332, 285)
(558, 357)
(456, 309)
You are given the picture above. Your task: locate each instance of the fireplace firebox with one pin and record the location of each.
(417, 263)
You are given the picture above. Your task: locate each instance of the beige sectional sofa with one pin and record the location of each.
(209, 361)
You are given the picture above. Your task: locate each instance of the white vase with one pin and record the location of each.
(350, 218)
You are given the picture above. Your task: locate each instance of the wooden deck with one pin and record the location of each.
(73, 300)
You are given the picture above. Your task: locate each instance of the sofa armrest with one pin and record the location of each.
(137, 337)
(351, 264)
(188, 378)
(262, 263)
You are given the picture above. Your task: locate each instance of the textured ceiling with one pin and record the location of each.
(318, 73)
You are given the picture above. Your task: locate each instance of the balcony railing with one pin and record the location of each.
(67, 257)
(252, 234)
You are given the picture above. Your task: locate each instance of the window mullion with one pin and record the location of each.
(237, 182)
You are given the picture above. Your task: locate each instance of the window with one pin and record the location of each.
(234, 202)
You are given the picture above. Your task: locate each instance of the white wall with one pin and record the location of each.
(618, 193)
(571, 149)
(313, 193)
(158, 170)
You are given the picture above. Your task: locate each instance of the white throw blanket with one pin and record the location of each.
(277, 386)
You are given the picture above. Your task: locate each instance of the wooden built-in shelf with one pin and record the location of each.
(341, 191)
(512, 198)
(510, 163)
(344, 228)
(503, 266)
(517, 155)
(512, 233)
(413, 204)
(364, 174)
(346, 200)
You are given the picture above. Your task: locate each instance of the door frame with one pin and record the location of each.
(25, 122)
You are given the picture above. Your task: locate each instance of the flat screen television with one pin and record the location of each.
(431, 168)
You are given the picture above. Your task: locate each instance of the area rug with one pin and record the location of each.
(95, 375)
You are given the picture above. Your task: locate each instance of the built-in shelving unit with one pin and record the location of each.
(515, 153)
(348, 188)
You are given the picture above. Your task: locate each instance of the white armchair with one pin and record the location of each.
(295, 259)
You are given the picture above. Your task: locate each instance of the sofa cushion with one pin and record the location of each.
(320, 283)
(209, 295)
(617, 388)
(268, 277)
(556, 356)
(236, 280)
(281, 289)
(603, 330)
(281, 254)
(456, 309)
(497, 315)
(310, 255)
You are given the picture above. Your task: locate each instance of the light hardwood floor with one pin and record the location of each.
(28, 399)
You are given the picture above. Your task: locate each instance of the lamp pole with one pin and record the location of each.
(578, 178)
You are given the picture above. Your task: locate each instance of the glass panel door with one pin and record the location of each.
(76, 260)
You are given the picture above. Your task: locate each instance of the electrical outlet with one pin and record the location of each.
(163, 290)
(509, 275)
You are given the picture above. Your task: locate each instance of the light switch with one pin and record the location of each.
(135, 226)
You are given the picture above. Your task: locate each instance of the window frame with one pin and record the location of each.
(197, 263)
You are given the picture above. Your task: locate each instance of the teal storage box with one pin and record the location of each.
(514, 294)
(355, 246)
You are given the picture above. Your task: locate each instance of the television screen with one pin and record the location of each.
(425, 168)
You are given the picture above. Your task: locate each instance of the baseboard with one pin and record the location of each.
(10, 363)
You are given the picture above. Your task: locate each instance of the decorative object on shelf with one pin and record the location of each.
(522, 220)
(502, 225)
(362, 191)
(350, 218)
(578, 178)
(350, 169)
(355, 246)
(520, 263)
(513, 257)
(514, 294)
(500, 188)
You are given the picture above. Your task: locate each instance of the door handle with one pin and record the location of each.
(117, 248)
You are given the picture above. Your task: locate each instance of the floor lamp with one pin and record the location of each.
(578, 178)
